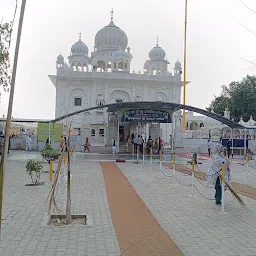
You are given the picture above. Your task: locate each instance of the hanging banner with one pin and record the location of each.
(146, 116)
(56, 131)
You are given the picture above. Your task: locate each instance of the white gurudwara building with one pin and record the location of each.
(104, 76)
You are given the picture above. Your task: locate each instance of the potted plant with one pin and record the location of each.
(34, 169)
(49, 153)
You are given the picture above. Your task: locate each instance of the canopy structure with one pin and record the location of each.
(156, 105)
(18, 120)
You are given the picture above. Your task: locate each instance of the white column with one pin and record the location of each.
(173, 130)
(244, 142)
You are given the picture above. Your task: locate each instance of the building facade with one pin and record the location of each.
(86, 80)
(205, 127)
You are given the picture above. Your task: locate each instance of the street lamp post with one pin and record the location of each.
(9, 113)
(185, 67)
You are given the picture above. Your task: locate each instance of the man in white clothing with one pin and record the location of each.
(28, 143)
(209, 146)
(114, 145)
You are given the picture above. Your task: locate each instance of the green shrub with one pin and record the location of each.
(49, 153)
(34, 168)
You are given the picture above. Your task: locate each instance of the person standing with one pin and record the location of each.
(114, 145)
(149, 144)
(47, 141)
(28, 143)
(9, 144)
(160, 142)
(135, 144)
(229, 145)
(213, 175)
(140, 144)
(209, 146)
(132, 137)
(62, 143)
(87, 145)
(128, 144)
(170, 140)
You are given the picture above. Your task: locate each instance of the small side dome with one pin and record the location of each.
(177, 64)
(60, 58)
(79, 48)
(157, 53)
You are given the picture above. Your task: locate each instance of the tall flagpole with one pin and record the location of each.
(185, 68)
(9, 114)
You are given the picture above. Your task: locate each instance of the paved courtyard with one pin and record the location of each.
(195, 223)
(24, 231)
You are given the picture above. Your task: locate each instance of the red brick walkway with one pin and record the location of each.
(138, 232)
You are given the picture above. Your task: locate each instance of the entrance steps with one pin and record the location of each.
(101, 149)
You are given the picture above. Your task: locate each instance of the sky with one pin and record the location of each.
(216, 43)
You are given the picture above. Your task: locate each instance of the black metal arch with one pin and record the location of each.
(113, 107)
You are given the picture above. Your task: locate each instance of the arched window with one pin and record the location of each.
(125, 65)
(100, 101)
(120, 65)
(101, 65)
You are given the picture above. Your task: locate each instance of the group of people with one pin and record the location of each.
(137, 142)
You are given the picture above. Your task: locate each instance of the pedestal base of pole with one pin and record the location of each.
(60, 220)
(120, 160)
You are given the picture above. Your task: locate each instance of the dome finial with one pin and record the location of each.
(157, 41)
(80, 35)
(112, 14)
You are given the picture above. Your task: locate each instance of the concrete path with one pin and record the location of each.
(24, 226)
(195, 223)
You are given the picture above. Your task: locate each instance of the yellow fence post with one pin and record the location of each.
(160, 158)
(193, 176)
(173, 168)
(247, 165)
(50, 176)
(143, 154)
(65, 159)
(222, 186)
(151, 157)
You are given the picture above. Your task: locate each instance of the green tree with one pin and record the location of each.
(238, 97)
(5, 71)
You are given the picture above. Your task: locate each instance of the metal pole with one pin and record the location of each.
(232, 142)
(185, 66)
(173, 125)
(68, 206)
(9, 114)
(49, 133)
(118, 140)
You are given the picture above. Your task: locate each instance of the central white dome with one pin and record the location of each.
(111, 37)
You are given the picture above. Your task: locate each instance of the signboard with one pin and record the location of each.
(97, 126)
(56, 131)
(146, 116)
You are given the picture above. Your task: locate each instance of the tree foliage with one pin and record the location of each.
(238, 97)
(5, 71)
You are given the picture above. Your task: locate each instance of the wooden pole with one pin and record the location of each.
(9, 113)
(68, 206)
(185, 68)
